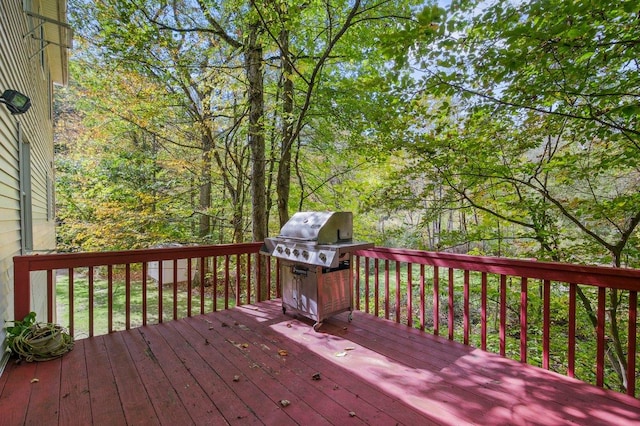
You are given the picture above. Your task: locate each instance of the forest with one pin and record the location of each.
(500, 128)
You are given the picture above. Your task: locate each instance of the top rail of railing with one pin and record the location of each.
(600, 276)
(75, 260)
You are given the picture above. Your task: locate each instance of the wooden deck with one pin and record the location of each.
(236, 366)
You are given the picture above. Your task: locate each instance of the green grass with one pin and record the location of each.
(119, 301)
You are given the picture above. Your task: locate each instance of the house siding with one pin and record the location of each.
(22, 69)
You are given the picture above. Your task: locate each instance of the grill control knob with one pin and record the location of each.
(279, 249)
(288, 251)
(323, 257)
(296, 252)
(305, 254)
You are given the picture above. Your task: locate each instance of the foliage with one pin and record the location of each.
(526, 112)
(19, 327)
(34, 341)
(499, 127)
(525, 118)
(116, 199)
(175, 74)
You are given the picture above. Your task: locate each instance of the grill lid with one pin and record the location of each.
(319, 227)
(315, 238)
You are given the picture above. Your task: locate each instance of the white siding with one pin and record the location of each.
(19, 72)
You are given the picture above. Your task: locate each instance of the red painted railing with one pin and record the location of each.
(212, 276)
(517, 308)
(491, 299)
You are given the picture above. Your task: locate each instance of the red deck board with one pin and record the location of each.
(485, 368)
(75, 400)
(257, 375)
(297, 376)
(352, 392)
(182, 372)
(44, 402)
(252, 395)
(16, 392)
(525, 390)
(522, 389)
(166, 402)
(116, 389)
(104, 400)
(204, 370)
(199, 407)
(404, 383)
(433, 365)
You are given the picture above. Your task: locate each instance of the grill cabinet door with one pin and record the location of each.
(300, 289)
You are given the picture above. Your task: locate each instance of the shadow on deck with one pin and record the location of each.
(237, 366)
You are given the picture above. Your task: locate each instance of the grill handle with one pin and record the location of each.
(299, 270)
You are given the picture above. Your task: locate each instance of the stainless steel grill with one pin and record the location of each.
(315, 249)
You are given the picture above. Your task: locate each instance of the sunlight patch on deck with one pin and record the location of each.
(415, 387)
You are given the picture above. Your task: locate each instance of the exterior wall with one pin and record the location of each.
(23, 68)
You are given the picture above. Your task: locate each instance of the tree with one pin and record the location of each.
(248, 93)
(110, 199)
(529, 113)
(194, 108)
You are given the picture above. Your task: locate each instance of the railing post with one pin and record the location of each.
(600, 343)
(436, 301)
(483, 311)
(523, 319)
(571, 350)
(451, 314)
(631, 345)
(503, 315)
(21, 288)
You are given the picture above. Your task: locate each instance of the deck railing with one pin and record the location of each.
(538, 312)
(107, 291)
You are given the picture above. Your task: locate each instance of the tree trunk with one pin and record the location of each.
(256, 133)
(253, 64)
(238, 212)
(283, 182)
(205, 188)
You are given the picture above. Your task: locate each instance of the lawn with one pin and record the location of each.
(101, 301)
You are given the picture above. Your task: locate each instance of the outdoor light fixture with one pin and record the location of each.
(15, 101)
